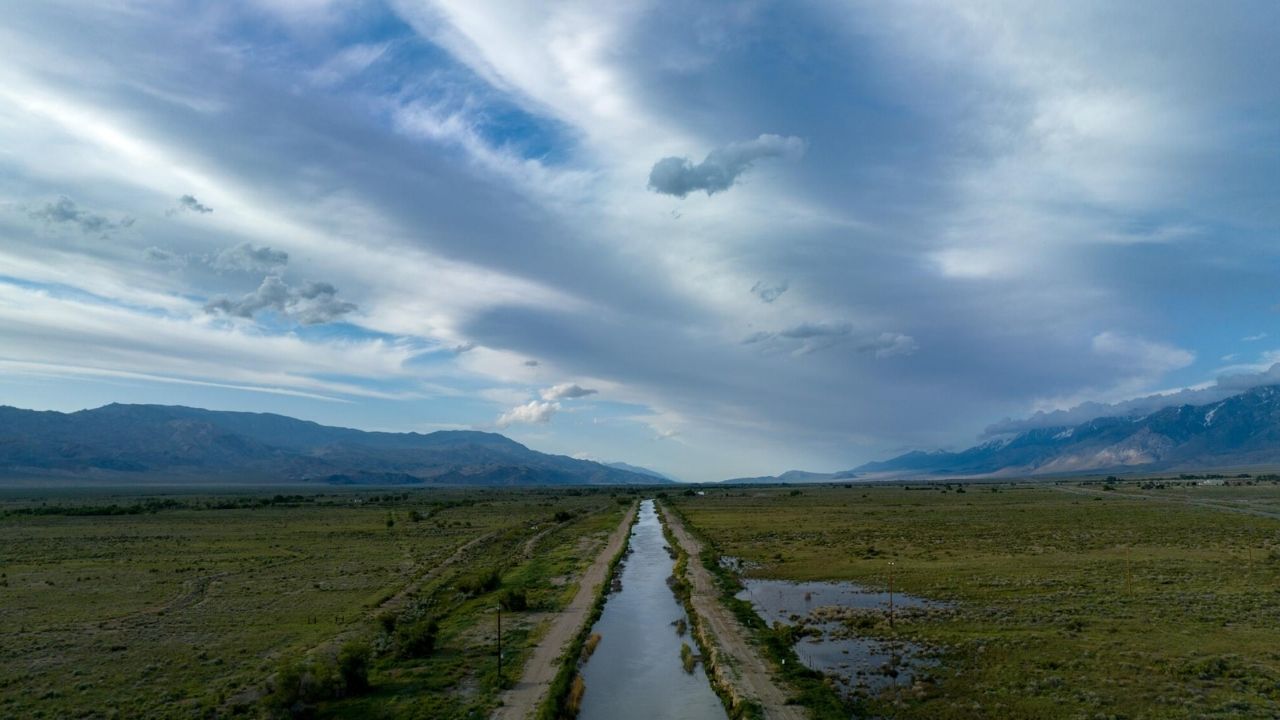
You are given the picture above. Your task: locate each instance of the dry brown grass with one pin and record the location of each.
(589, 646)
(573, 703)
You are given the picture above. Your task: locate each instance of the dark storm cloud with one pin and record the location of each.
(679, 176)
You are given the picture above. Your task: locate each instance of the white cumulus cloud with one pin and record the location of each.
(531, 412)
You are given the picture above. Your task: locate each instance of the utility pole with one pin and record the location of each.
(499, 645)
(890, 593)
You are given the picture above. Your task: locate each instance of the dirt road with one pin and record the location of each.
(747, 672)
(1174, 500)
(521, 701)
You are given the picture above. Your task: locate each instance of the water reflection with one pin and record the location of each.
(829, 613)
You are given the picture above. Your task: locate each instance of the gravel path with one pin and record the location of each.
(521, 701)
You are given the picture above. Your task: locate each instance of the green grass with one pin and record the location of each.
(1066, 605)
(565, 694)
(186, 609)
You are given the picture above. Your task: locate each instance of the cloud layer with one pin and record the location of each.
(968, 211)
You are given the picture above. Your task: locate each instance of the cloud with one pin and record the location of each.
(531, 412)
(1142, 356)
(814, 336)
(64, 210)
(805, 331)
(348, 63)
(1254, 338)
(463, 348)
(247, 257)
(721, 168)
(137, 343)
(995, 159)
(566, 391)
(189, 202)
(311, 304)
(1224, 386)
(161, 256)
(768, 292)
(889, 344)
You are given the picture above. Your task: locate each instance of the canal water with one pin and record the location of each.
(636, 672)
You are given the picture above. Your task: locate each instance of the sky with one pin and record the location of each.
(713, 239)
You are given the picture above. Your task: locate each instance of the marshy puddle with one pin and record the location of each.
(829, 613)
(636, 672)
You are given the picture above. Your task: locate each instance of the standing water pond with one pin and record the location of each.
(636, 671)
(829, 615)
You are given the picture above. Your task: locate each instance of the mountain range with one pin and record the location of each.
(147, 441)
(1240, 430)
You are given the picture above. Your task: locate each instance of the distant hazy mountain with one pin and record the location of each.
(1241, 430)
(136, 440)
(795, 477)
(641, 470)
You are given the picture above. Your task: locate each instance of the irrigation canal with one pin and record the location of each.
(636, 672)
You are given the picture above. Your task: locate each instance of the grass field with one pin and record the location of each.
(1070, 601)
(190, 605)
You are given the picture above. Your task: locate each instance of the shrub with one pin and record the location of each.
(514, 600)
(284, 691)
(417, 639)
(387, 620)
(297, 684)
(480, 583)
(353, 667)
(687, 658)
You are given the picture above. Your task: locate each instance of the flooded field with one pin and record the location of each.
(828, 614)
(636, 671)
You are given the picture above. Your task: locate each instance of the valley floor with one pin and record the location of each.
(1150, 599)
(370, 604)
